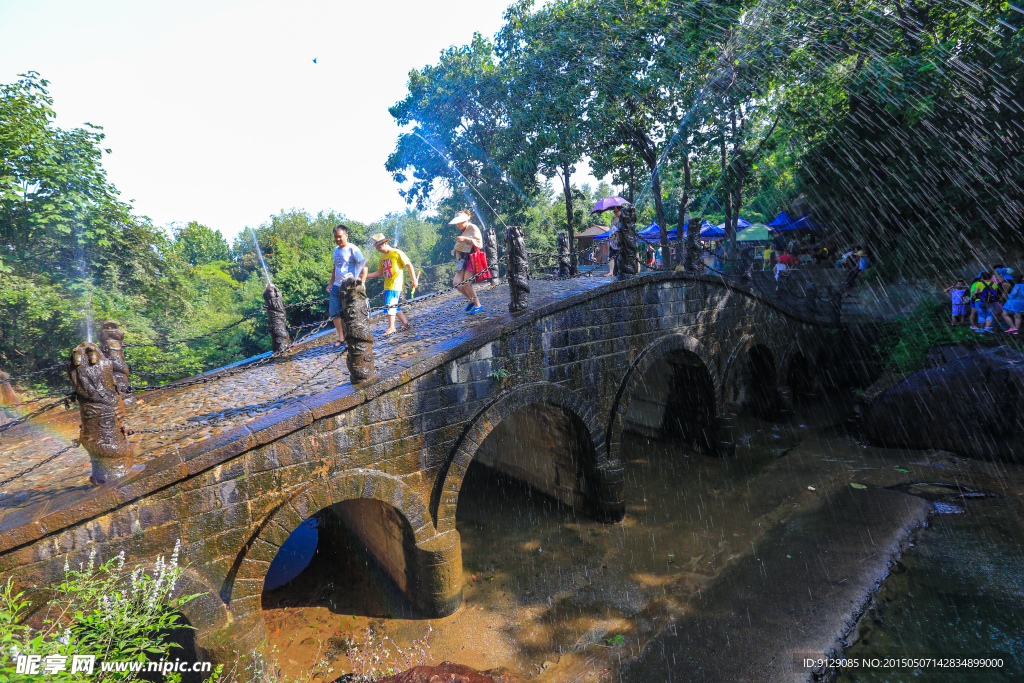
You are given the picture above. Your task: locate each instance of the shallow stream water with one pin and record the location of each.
(957, 593)
(555, 596)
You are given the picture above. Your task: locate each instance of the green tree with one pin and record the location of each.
(58, 212)
(549, 96)
(457, 138)
(198, 245)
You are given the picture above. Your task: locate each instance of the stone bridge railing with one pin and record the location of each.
(668, 352)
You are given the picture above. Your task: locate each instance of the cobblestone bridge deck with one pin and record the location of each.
(247, 456)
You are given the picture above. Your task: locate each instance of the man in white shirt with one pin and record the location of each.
(349, 264)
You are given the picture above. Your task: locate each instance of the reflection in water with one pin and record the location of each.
(293, 557)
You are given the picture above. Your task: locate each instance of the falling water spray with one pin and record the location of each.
(86, 279)
(259, 253)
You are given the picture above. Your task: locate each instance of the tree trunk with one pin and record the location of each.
(730, 228)
(683, 203)
(631, 181)
(737, 175)
(659, 210)
(567, 188)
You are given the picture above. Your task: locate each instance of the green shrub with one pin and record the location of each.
(904, 345)
(114, 612)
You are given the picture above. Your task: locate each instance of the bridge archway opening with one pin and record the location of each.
(543, 446)
(351, 558)
(527, 485)
(754, 387)
(798, 378)
(674, 400)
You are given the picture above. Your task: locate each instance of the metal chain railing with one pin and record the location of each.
(198, 336)
(39, 464)
(36, 413)
(315, 327)
(37, 399)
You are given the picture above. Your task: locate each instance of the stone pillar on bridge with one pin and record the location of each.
(626, 263)
(491, 248)
(564, 266)
(101, 408)
(355, 322)
(518, 270)
(691, 255)
(112, 345)
(7, 395)
(276, 318)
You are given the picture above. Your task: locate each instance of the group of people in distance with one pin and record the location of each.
(855, 261)
(993, 297)
(350, 270)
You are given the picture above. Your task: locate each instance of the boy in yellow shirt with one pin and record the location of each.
(392, 261)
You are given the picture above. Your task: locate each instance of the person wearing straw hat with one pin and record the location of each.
(392, 261)
(468, 240)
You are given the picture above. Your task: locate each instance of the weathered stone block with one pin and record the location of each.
(209, 524)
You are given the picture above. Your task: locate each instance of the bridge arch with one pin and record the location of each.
(796, 370)
(206, 612)
(392, 523)
(599, 483)
(682, 347)
(751, 376)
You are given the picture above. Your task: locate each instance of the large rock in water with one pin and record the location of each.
(446, 672)
(971, 406)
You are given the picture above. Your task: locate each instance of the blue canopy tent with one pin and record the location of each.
(740, 224)
(707, 230)
(780, 222)
(805, 222)
(652, 233)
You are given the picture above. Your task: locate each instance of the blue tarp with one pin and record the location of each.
(805, 222)
(740, 224)
(781, 221)
(651, 233)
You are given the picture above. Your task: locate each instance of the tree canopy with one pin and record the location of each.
(883, 118)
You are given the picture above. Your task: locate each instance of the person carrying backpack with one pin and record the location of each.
(1014, 306)
(983, 294)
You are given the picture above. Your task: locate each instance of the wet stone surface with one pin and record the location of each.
(195, 413)
(554, 596)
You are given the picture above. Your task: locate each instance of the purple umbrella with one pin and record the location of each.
(609, 202)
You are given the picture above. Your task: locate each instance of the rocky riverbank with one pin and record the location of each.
(969, 404)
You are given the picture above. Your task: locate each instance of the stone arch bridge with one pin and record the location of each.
(543, 395)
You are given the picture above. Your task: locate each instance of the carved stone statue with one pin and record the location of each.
(692, 254)
(491, 247)
(112, 346)
(276, 318)
(7, 395)
(563, 255)
(355, 322)
(518, 270)
(627, 259)
(102, 410)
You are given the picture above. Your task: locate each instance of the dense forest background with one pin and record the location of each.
(894, 122)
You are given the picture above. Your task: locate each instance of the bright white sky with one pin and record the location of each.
(214, 109)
